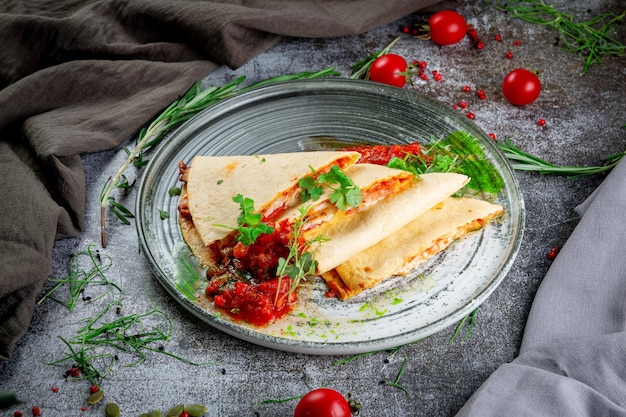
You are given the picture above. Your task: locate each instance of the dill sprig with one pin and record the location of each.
(523, 161)
(590, 39)
(191, 103)
(80, 276)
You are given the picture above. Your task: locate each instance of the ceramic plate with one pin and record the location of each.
(279, 118)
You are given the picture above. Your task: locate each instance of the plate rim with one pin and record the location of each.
(315, 86)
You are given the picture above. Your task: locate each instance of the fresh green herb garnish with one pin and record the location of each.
(345, 192)
(299, 263)
(523, 161)
(89, 349)
(396, 382)
(174, 191)
(459, 152)
(590, 39)
(163, 214)
(86, 267)
(472, 318)
(250, 224)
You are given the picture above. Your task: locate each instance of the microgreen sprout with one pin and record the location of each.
(299, 263)
(396, 382)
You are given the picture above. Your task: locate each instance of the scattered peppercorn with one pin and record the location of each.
(463, 104)
(541, 122)
(93, 388)
(481, 94)
(17, 413)
(498, 37)
(553, 252)
(509, 55)
(492, 136)
(466, 89)
(36, 411)
(470, 115)
(55, 389)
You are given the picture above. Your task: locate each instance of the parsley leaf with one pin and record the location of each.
(250, 224)
(311, 189)
(345, 192)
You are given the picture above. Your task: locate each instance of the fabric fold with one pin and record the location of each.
(571, 361)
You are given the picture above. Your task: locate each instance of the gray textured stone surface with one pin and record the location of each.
(584, 116)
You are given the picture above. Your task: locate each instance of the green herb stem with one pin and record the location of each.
(523, 161)
(361, 68)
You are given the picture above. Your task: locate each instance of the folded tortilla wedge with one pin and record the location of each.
(412, 245)
(349, 234)
(271, 181)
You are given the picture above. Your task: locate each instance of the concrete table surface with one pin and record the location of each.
(584, 115)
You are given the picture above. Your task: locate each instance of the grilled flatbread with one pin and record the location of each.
(271, 181)
(412, 245)
(350, 234)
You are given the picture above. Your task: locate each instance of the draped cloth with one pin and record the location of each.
(572, 360)
(79, 76)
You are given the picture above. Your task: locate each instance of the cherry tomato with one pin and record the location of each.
(521, 87)
(447, 27)
(323, 402)
(389, 69)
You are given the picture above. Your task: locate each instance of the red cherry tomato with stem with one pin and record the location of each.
(447, 27)
(389, 69)
(323, 402)
(521, 87)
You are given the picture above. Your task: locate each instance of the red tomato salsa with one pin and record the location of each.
(243, 283)
(382, 154)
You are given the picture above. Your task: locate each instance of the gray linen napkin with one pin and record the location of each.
(81, 76)
(572, 361)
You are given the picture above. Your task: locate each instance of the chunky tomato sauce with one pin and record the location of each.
(382, 154)
(244, 284)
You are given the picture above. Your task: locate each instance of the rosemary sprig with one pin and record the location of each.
(523, 161)
(590, 39)
(181, 110)
(361, 68)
